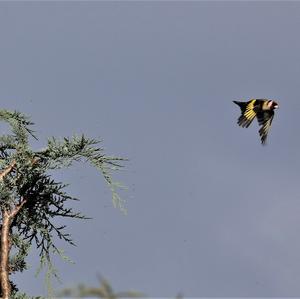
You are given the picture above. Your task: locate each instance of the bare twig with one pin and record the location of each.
(7, 170)
(17, 208)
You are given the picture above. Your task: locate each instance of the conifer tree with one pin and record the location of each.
(30, 199)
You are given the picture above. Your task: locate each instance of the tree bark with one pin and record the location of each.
(5, 248)
(5, 242)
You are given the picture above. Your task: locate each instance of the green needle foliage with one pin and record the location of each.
(30, 195)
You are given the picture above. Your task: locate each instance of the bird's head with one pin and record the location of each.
(272, 104)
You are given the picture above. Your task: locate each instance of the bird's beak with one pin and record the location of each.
(276, 106)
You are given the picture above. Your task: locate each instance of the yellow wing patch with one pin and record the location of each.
(250, 113)
(247, 115)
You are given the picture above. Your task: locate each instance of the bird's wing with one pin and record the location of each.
(248, 115)
(265, 119)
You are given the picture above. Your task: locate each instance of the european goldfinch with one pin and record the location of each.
(263, 109)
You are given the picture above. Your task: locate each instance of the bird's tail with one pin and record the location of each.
(242, 105)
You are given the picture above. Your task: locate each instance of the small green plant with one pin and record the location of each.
(104, 290)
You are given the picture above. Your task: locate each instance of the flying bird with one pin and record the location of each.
(262, 109)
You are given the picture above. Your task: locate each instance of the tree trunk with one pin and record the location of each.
(5, 240)
(5, 248)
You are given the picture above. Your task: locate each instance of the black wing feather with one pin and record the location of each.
(249, 111)
(265, 119)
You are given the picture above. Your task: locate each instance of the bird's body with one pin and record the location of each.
(262, 109)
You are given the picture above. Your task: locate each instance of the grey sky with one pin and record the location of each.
(210, 211)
